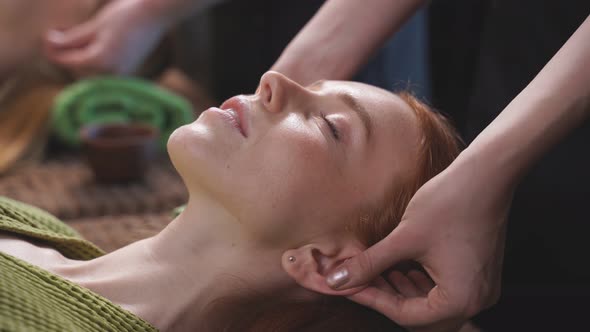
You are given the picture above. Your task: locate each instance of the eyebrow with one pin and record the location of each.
(362, 113)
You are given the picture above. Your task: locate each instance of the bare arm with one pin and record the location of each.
(455, 224)
(555, 102)
(341, 37)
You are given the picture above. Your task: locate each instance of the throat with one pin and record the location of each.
(173, 287)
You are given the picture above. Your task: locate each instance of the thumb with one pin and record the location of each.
(73, 48)
(366, 266)
(76, 37)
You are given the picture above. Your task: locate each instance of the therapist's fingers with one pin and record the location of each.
(413, 312)
(404, 285)
(77, 49)
(83, 62)
(384, 286)
(421, 280)
(76, 37)
(360, 270)
(79, 58)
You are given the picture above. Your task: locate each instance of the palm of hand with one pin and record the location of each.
(454, 227)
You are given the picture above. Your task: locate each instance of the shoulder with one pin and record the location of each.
(26, 220)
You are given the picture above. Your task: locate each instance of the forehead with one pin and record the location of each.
(372, 98)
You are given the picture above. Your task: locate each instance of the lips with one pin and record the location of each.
(238, 108)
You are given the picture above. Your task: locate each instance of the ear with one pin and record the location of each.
(310, 264)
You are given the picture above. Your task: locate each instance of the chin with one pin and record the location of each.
(180, 153)
(197, 156)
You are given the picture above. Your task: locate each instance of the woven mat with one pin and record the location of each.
(113, 232)
(110, 215)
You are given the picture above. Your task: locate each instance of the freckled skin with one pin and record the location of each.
(289, 171)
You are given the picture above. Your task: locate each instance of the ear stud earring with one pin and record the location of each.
(291, 259)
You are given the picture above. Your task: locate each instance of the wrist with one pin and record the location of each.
(488, 165)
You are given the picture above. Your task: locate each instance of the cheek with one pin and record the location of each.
(292, 152)
(292, 170)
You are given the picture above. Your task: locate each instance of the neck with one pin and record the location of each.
(170, 279)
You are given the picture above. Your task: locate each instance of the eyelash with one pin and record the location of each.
(333, 128)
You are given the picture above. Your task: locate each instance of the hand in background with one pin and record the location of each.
(454, 227)
(115, 40)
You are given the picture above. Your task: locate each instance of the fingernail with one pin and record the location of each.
(338, 278)
(55, 36)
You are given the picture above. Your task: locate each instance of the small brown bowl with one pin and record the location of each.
(119, 152)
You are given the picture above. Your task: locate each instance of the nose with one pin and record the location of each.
(276, 90)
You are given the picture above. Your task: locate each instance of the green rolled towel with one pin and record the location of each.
(117, 100)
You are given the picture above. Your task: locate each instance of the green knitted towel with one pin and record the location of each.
(118, 100)
(33, 299)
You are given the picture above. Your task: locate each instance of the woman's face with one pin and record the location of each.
(295, 162)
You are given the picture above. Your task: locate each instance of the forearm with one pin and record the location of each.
(552, 105)
(341, 37)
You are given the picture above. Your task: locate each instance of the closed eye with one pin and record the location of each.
(333, 128)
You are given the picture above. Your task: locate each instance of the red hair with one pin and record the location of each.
(251, 312)
(439, 146)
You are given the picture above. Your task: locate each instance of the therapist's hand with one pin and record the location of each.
(455, 224)
(454, 227)
(116, 40)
